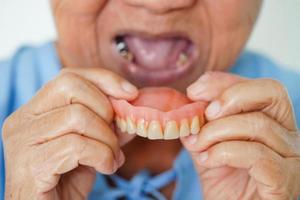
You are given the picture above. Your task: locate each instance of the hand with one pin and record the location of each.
(55, 144)
(250, 147)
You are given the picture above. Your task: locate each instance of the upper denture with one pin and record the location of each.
(164, 112)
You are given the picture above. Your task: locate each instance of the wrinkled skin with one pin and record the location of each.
(250, 147)
(55, 143)
(86, 29)
(63, 136)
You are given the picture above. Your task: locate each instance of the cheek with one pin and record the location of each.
(231, 22)
(75, 24)
(82, 7)
(228, 14)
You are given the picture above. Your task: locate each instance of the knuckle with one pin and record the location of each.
(261, 122)
(274, 83)
(11, 124)
(66, 78)
(108, 73)
(78, 144)
(224, 152)
(78, 117)
(229, 93)
(66, 82)
(111, 76)
(7, 126)
(261, 150)
(277, 87)
(108, 112)
(105, 109)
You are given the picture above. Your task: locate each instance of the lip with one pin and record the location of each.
(151, 77)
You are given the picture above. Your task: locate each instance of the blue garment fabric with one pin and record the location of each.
(32, 67)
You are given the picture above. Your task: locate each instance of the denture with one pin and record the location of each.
(159, 113)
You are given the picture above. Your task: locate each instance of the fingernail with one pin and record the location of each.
(128, 87)
(205, 77)
(191, 139)
(202, 157)
(213, 109)
(196, 89)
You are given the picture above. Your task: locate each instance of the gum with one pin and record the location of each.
(160, 104)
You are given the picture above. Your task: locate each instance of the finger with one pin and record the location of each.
(123, 138)
(75, 119)
(266, 95)
(262, 164)
(211, 85)
(71, 89)
(254, 126)
(65, 154)
(107, 81)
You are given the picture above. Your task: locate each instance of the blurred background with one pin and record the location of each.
(276, 34)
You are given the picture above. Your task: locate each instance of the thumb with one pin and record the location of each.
(211, 85)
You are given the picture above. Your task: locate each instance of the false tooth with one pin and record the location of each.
(127, 55)
(154, 131)
(171, 130)
(182, 60)
(121, 46)
(184, 128)
(131, 126)
(195, 125)
(123, 125)
(141, 128)
(117, 121)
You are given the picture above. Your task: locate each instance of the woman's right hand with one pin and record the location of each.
(55, 144)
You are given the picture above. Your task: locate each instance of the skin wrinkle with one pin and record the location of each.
(219, 30)
(202, 3)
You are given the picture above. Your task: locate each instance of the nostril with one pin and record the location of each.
(162, 6)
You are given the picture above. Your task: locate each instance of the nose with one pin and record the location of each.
(161, 6)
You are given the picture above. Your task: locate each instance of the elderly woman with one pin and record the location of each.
(59, 139)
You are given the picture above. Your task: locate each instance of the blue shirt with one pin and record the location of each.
(32, 67)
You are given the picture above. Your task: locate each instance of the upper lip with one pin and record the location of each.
(152, 34)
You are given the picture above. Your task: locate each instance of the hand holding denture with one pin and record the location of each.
(249, 148)
(64, 136)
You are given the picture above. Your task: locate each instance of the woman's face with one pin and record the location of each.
(154, 42)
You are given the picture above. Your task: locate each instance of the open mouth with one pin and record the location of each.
(155, 61)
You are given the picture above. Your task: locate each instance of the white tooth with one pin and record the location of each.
(171, 131)
(123, 125)
(141, 128)
(131, 126)
(184, 128)
(117, 120)
(154, 131)
(127, 55)
(182, 60)
(195, 125)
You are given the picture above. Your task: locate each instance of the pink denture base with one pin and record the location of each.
(159, 104)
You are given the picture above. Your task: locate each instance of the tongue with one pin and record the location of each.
(156, 53)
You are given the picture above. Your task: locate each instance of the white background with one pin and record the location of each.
(276, 34)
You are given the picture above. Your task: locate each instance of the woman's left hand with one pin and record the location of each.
(250, 146)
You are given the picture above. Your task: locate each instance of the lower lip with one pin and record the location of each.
(157, 77)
